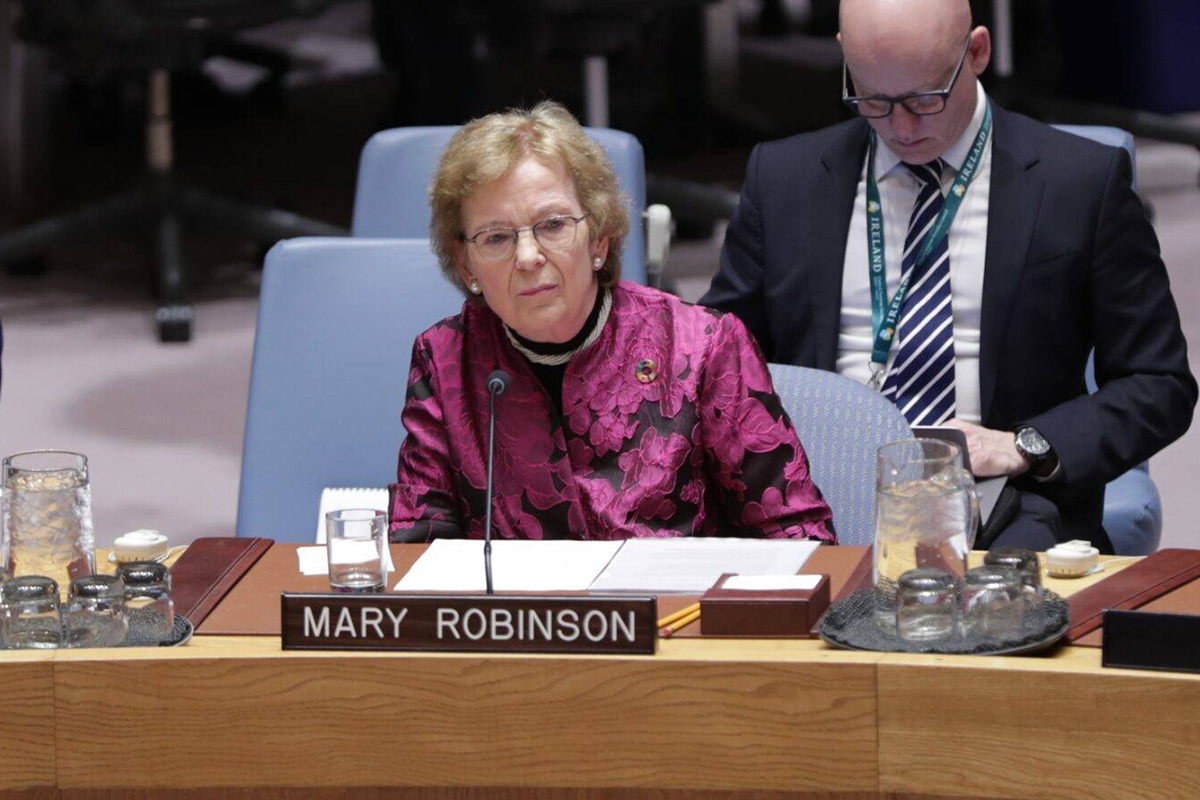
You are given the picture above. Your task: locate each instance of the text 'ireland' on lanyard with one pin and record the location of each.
(885, 315)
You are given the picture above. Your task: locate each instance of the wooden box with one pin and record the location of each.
(791, 613)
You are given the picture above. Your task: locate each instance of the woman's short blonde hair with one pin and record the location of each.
(485, 149)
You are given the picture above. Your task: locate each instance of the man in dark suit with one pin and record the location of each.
(966, 268)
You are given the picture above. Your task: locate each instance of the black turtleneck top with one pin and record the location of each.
(551, 375)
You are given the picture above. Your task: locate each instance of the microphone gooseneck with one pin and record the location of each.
(497, 382)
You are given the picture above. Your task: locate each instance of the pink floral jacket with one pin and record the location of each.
(670, 427)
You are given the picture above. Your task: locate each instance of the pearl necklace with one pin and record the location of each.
(562, 358)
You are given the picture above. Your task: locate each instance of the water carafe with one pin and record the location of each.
(926, 515)
(48, 516)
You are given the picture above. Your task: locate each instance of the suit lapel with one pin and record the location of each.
(830, 211)
(1013, 204)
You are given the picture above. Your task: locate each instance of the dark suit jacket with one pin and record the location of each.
(1072, 265)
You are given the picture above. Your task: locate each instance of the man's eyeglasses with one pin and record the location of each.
(922, 104)
(499, 244)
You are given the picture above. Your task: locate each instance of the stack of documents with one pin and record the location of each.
(693, 565)
(456, 565)
(637, 565)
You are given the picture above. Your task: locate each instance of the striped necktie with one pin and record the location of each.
(921, 380)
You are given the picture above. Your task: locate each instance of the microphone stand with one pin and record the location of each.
(487, 525)
(496, 384)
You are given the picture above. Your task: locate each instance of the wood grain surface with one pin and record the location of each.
(236, 717)
(455, 793)
(458, 721)
(1014, 728)
(27, 720)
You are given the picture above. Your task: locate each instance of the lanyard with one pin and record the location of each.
(884, 315)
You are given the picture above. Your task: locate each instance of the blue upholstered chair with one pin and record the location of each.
(841, 424)
(336, 324)
(1132, 507)
(1113, 137)
(396, 169)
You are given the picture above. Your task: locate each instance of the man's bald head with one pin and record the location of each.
(888, 30)
(895, 48)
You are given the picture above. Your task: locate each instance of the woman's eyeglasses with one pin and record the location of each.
(553, 233)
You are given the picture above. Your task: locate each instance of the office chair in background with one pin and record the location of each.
(151, 38)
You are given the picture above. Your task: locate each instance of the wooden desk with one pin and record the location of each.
(237, 717)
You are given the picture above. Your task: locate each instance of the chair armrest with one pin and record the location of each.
(660, 229)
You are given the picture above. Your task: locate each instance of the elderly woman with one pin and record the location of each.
(630, 413)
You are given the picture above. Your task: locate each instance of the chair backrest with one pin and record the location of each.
(336, 324)
(396, 170)
(1114, 137)
(841, 424)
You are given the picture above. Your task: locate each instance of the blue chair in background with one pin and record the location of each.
(841, 424)
(336, 324)
(1113, 137)
(1132, 506)
(396, 170)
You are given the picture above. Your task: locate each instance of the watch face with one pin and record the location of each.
(1032, 442)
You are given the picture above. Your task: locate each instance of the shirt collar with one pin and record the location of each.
(886, 160)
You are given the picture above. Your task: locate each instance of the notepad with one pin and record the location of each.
(693, 565)
(456, 565)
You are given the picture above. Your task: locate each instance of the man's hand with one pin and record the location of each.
(992, 452)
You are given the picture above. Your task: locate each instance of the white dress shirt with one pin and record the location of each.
(967, 244)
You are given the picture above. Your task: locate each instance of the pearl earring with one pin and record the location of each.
(597, 262)
(474, 287)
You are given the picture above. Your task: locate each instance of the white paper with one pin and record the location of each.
(694, 565)
(766, 583)
(456, 565)
(315, 560)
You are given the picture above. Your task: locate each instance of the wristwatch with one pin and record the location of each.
(1031, 444)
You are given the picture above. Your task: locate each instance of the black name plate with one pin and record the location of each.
(478, 623)
(1151, 640)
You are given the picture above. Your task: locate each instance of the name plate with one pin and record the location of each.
(1151, 640)
(476, 623)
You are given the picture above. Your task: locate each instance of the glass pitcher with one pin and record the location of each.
(48, 516)
(926, 515)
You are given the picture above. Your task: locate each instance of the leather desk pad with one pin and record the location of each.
(1143, 585)
(1184, 600)
(251, 608)
(209, 568)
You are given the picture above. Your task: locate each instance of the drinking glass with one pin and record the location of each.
(48, 515)
(926, 515)
(31, 613)
(927, 605)
(148, 602)
(95, 615)
(993, 603)
(1025, 562)
(356, 539)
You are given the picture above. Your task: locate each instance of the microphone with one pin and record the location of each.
(497, 382)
